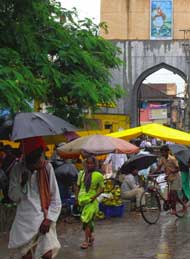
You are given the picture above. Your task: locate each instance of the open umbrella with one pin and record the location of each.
(140, 161)
(5, 132)
(32, 124)
(65, 169)
(98, 144)
(6, 124)
(181, 152)
(65, 137)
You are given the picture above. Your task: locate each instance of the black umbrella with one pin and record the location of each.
(181, 152)
(5, 132)
(32, 124)
(139, 161)
(65, 170)
(6, 123)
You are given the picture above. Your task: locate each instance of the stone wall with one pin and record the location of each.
(142, 58)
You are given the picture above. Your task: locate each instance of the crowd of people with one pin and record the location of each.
(40, 187)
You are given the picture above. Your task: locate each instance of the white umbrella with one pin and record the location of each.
(98, 144)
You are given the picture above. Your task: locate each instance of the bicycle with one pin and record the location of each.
(152, 201)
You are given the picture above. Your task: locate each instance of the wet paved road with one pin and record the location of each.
(126, 238)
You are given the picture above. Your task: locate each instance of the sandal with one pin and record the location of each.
(91, 241)
(84, 245)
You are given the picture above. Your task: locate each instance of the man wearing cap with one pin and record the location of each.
(33, 186)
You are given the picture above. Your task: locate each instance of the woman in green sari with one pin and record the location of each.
(90, 185)
(185, 181)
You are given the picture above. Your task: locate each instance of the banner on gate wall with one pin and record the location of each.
(161, 19)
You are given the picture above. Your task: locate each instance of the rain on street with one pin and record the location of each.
(128, 237)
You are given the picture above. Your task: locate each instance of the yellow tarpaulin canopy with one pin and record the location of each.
(154, 130)
(127, 134)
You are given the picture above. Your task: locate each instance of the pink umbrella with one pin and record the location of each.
(97, 145)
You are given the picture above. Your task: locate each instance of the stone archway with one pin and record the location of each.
(143, 76)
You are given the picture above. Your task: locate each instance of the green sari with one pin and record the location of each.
(89, 208)
(185, 184)
(185, 179)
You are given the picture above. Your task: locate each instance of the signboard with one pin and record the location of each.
(161, 19)
(155, 114)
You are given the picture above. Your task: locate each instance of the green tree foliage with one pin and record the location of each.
(48, 54)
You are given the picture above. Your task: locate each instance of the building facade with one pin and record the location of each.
(151, 36)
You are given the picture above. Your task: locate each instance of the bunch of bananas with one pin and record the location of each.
(115, 198)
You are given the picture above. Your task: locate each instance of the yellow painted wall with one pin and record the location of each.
(116, 120)
(130, 19)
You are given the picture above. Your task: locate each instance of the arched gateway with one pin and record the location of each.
(141, 78)
(147, 43)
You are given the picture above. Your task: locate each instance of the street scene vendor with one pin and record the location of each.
(130, 188)
(94, 129)
(90, 185)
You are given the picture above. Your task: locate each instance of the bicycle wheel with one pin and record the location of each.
(180, 209)
(150, 207)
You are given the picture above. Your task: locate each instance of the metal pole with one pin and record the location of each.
(186, 47)
(187, 108)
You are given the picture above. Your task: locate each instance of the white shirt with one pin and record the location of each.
(117, 160)
(29, 215)
(129, 183)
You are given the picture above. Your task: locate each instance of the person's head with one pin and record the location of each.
(134, 170)
(33, 159)
(32, 149)
(148, 149)
(91, 163)
(164, 150)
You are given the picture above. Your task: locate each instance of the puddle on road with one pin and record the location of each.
(164, 249)
(164, 252)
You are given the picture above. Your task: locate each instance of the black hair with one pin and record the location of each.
(88, 174)
(164, 148)
(132, 168)
(149, 149)
(34, 156)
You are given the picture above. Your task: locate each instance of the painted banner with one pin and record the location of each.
(157, 106)
(155, 114)
(161, 19)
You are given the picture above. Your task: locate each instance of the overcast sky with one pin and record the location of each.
(166, 76)
(86, 8)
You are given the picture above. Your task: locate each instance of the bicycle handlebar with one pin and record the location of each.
(153, 178)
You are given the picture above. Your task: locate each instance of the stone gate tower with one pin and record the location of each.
(150, 35)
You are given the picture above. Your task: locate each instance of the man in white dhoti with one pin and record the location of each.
(33, 186)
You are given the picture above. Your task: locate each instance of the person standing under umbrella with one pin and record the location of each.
(33, 186)
(171, 168)
(90, 185)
